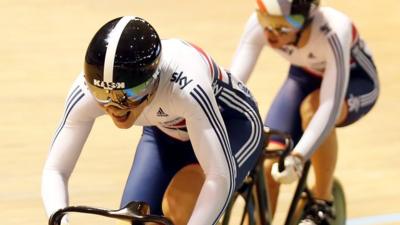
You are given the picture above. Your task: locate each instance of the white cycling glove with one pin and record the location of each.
(292, 171)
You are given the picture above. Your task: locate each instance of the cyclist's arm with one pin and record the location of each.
(248, 50)
(211, 145)
(332, 92)
(75, 125)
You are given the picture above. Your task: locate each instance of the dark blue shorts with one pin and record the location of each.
(159, 157)
(361, 95)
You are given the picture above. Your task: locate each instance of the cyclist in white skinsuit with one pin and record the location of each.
(332, 81)
(192, 112)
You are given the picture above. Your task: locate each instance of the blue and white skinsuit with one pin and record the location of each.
(334, 60)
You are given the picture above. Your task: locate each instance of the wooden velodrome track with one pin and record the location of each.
(42, 48)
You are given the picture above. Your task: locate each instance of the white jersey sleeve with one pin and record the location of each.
(79, 115)
(210, 142)
(249, 49)
(338, 35)
(187, 96)
(196, 103)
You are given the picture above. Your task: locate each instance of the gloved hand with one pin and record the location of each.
(292, 172)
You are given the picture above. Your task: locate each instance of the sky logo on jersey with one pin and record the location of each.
(244, 89)
(354, 103)
(108, 85)
(181, 80)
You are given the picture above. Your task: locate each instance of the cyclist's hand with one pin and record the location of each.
(292, 171)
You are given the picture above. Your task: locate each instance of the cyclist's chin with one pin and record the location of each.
(125, 121)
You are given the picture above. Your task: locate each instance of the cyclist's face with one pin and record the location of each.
(277, 29)
(124, 106)
(277, 39)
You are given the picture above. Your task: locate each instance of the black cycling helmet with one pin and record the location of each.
(123, 56)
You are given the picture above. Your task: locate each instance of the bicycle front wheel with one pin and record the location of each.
(339, 206)
(339, 203)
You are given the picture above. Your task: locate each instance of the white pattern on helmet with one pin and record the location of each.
(112, 41)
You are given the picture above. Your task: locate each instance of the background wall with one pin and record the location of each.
(42, 48)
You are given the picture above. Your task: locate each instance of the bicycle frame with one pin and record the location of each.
(256, 183)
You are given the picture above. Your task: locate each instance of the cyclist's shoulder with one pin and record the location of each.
(330, 14)
(78, 85)
(80, 99)
(184, 66)
(328, 20)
